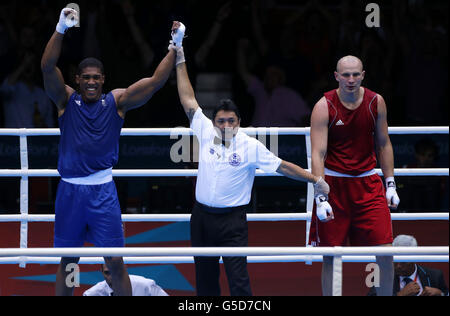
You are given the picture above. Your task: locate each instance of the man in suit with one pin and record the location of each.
(412, 279)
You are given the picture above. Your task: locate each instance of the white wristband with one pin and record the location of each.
(390, 182)
(180, 56)
(180, 53)
(60, 28)
(321, 198)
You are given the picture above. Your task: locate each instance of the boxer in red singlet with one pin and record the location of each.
(348, 132)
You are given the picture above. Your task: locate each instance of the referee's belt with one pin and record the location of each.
(221, 210)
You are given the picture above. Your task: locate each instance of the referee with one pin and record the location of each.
(228, 160)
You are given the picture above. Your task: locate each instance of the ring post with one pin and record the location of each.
(23, 195)
(337, 272)
(309, 196)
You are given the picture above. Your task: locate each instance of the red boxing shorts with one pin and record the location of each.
(361, 214)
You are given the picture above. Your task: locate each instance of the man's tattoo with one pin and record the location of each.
(191, 114)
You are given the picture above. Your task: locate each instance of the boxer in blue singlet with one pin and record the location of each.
(87, 206)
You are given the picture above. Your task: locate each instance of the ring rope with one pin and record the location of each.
(249, 131)
(250, 259)
(221, 251)
(265, 217)
(193, 172)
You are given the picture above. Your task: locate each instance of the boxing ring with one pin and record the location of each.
(146, 255)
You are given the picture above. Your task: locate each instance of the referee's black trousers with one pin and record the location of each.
(220, 230)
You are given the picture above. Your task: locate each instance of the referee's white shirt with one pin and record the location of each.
(140, 287)
(226, 174)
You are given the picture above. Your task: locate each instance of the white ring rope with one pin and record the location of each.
(263, 217)
(250, 259)
(221, 251)
(424, 130)
(193, 172)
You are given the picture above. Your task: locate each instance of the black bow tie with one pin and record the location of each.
(218, 141)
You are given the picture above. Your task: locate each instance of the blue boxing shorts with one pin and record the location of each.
(88, 213)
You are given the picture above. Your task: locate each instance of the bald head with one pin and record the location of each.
(350, 74)
(349, 62)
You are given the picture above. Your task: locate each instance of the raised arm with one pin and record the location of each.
(141, 92)
(203, 52)
(185, 90)
(241, 61)
(147, 54)
(27, 61)
(54, 84)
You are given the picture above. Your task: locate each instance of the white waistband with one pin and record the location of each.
(101, 177)
(332, 173)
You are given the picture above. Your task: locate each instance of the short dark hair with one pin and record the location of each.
(226, 105)
(90, 62)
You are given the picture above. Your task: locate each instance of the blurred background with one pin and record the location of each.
(274, 58)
